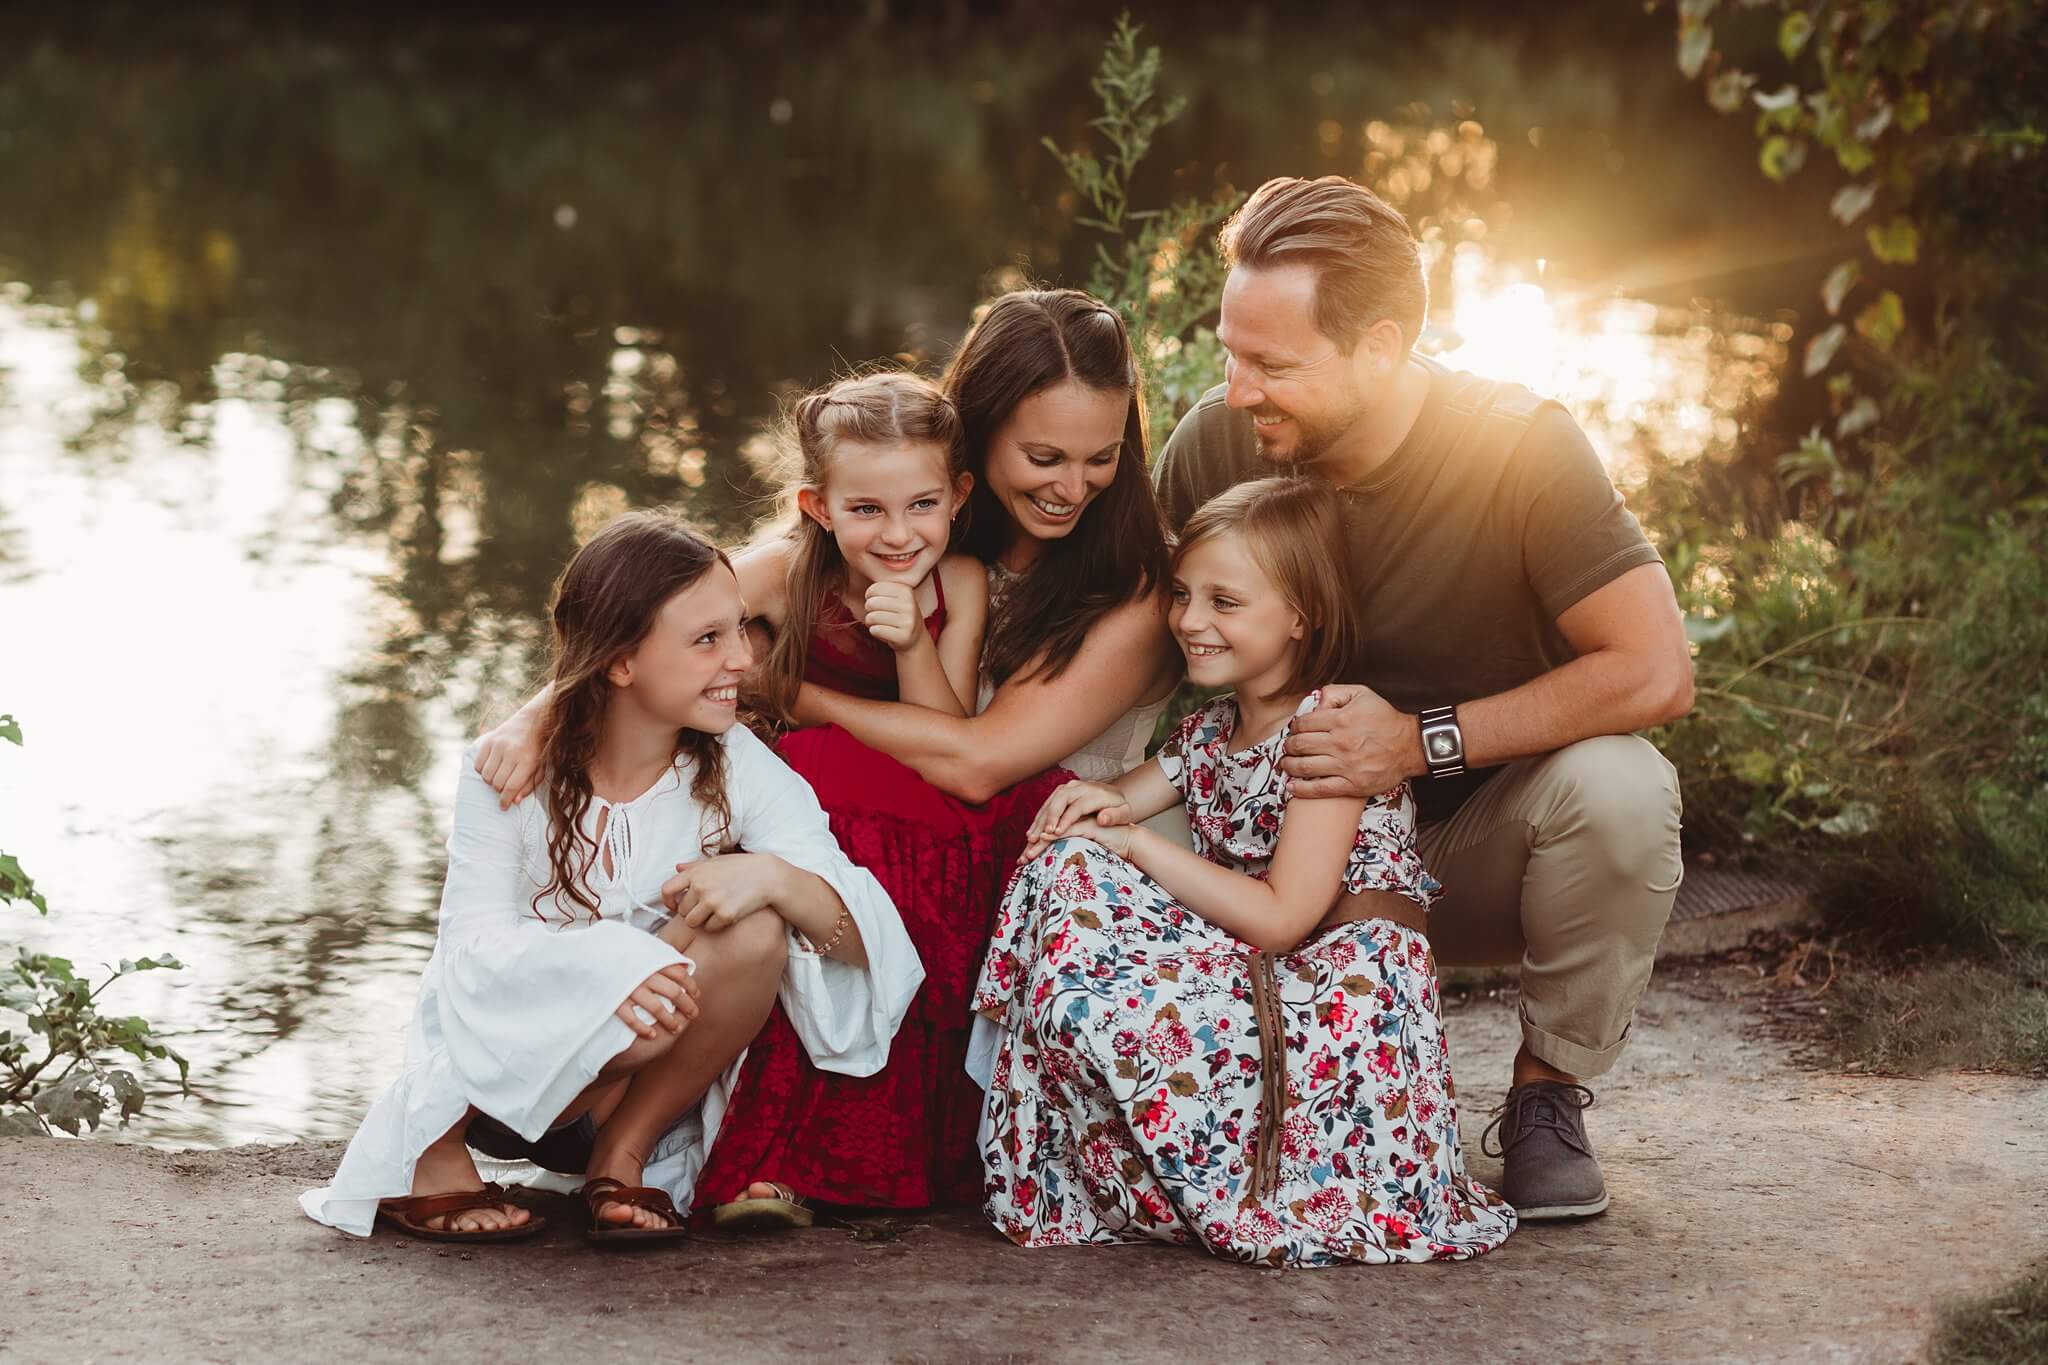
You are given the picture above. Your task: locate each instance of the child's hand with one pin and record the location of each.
(1115, 838)
(715, 893)
(892, 616)
(668, 998)
(1069, 803)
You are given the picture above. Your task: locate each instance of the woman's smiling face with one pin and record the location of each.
(1055, 455)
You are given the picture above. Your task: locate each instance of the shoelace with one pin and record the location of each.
(1540, 1104)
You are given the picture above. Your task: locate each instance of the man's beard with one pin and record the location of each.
(1314, 439)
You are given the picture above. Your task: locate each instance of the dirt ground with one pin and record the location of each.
(1761, 1212)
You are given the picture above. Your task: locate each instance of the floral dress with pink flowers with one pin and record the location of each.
(1125, 1103)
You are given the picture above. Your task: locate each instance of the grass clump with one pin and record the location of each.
(2010, 1325)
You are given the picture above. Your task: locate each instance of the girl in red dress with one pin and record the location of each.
(864, 600)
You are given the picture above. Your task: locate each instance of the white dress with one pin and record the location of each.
(516, 1011)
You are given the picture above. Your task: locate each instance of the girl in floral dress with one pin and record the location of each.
(1240, 1044)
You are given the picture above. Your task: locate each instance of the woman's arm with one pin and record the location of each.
(1031, 723)
(1274, 914)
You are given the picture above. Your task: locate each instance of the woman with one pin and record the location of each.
(1076, 668)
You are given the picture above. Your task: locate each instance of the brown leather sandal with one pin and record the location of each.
(410, 1214)
(605, 1190)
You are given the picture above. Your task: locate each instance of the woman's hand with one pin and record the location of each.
(668, 1000)
(509, 757)
(713, 894)
(891, 615)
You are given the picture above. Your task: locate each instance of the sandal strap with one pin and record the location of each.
(606, 1190)
(420, 1207)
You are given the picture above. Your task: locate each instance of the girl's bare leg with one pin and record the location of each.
(740, 969)
(447, 1167)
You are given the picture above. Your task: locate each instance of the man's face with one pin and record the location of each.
(1301, 391)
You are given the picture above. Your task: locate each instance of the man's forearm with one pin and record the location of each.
(1603, 693)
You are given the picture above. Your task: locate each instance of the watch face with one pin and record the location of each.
(1441, 745)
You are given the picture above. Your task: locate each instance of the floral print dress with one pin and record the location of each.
(1126, 1099)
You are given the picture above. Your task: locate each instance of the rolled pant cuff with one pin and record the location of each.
(1570, 1057)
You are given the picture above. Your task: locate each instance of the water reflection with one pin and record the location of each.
(319, 356)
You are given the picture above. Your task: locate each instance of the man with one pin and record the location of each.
(1518, 628)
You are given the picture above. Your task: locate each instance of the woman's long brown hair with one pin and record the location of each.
(604, 604)
(879, 408)
(1026, 343)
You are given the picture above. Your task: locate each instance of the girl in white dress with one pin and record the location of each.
(609, 945)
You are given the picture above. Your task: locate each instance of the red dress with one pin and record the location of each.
(906, 1136)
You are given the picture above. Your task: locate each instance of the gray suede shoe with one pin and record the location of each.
(1551, 1170)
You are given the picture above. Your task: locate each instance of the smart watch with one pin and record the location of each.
(1443, 743)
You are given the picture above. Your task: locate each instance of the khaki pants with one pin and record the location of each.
(1566, 864)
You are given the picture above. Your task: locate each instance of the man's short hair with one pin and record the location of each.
(1367, 263)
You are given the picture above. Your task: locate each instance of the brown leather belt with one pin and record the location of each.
(1386, 905)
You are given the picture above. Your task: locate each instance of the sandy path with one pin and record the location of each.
(1761, 1212)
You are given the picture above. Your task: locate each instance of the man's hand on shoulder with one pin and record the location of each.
(1353, 744)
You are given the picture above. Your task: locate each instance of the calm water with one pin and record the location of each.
(319, 350)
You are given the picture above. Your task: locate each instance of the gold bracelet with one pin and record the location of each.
(838, 932)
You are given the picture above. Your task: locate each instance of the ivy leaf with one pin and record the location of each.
(1862, 413)
(1793, 33)
(1872, 128)
(1755, 768)
(1852, 202)
(1821, 349)
(1725, 91)
(10, 728)
(1913, 110)
(1695, 41)
(1851, 821)
(1896, 243)
(71, 1104)
(1883, 321)
(127, 1093)
(1839, 282)
(1855, 157)
(17, 885)
(1784, 97)
(1781, 157)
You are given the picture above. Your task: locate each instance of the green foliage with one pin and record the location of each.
(62, 1073)
(1155, 266)
(1872, 623)
(2005, 1328)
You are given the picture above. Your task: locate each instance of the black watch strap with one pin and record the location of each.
(1443, 742)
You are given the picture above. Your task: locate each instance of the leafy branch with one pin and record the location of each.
(75, 1080)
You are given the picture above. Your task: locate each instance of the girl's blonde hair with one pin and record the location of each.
(1292, 526)
(882, 407)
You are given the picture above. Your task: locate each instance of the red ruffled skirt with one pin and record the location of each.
(906, 1136)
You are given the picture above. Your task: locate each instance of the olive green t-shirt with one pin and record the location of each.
(1489, 520)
